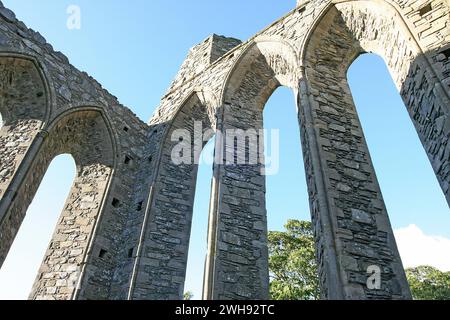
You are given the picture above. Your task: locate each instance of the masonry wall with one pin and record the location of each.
(50, 108)
(351, 222)
(125, 228)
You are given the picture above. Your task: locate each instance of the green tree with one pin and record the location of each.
(292, 263)
(188, 296)
(428, 283)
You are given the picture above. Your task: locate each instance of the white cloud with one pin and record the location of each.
(417, 249)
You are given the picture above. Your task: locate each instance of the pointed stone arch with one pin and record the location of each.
(84, 134)
(160, 266)
(238, 222)
(373, 27)
(348, 207)
(140, 253)
(25, 107)
(274, 59)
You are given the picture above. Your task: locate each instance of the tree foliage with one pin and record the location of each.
(294, 276)
(188, 296)
(428, 283)
(292, 263)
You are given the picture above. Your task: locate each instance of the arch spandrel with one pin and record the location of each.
(270, 60)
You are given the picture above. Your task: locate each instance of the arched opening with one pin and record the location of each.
(85, 136)
(168, 227)
(19, 270)
(199, 229)
(238, 262)
(287, 200)
(23, 107)
(412, 194)
(355, 221)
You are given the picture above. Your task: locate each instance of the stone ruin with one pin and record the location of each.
(125, 228)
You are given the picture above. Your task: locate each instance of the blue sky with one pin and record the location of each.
(135, 49)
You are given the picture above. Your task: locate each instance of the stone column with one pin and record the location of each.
(23, 104)
(10, 220)
(237, 264)
(355, 241)
(160, 267)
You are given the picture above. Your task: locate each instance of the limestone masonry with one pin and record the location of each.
(125, 228)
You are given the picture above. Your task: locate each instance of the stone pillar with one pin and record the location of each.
(23, 103)
(356, 249)
(354, 237)
(11, 220)
(237, 264)
(160, 267)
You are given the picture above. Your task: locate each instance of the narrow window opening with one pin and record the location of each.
(116, 203)
(128, 160)
(126, 129)
(423, 11)
(446, 53)
(139, 206)
(131, 253)
(102, 254)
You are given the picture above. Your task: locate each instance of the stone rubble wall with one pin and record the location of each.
(48, 106)
(124, 232)
(374, 27)
(357, 215)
